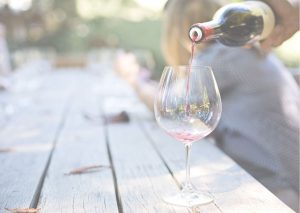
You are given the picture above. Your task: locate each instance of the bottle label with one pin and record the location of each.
(267, 14)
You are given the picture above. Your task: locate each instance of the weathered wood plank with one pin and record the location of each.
(82, 143)
(146, 179)
(233, 189)
(138, 156)
(141, 175)
(29, 138)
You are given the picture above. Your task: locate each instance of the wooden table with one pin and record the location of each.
(60, 129)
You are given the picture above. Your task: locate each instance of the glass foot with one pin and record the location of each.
(188, 198)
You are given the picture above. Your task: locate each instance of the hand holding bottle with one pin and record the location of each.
(287, 22)
(244, 23)
(236, 24)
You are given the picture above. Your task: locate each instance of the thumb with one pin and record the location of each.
(272, 40)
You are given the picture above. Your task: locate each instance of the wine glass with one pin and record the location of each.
(188, 107)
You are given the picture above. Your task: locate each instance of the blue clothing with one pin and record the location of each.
(259, 126)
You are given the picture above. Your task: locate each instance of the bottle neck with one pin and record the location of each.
(205, 31)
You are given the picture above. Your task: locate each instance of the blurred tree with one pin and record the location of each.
(69, 7)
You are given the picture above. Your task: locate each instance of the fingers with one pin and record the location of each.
(269, 41)
(277, 37)
(288, 24)
(248, 46)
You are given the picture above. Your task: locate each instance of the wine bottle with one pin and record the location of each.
(236, 24)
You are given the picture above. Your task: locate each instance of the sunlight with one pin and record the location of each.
(20, 5)
(90, 9)
(93, 8)
(155, 5)
(29, 148)
(289, 51)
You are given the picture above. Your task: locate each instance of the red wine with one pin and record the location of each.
(236, 24)
(189, 68)
(189, 136)
(187, 106)
(185, 136)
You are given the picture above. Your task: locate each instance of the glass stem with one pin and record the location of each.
(187, 185)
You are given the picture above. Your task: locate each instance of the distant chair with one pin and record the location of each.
(5, 65)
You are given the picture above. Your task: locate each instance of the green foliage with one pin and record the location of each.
(103, 32)
(131, 35)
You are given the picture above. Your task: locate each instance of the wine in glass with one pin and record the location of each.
(188, 107)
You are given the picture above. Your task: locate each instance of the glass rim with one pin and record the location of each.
(187, 66)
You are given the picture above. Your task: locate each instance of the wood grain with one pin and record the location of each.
(141, 175)
(233, 189)
(30, 135)
(54, 135)
(82, 143)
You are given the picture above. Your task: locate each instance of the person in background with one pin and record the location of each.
(259, 126)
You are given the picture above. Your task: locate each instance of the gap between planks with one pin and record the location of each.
(150, 139)
(111, 162)
(36, 196)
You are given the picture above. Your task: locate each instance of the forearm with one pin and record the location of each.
(292, 2)
(284, 5)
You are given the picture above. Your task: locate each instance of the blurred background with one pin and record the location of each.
(37, 36)
(68, 31)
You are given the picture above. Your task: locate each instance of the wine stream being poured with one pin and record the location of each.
(187, 106)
